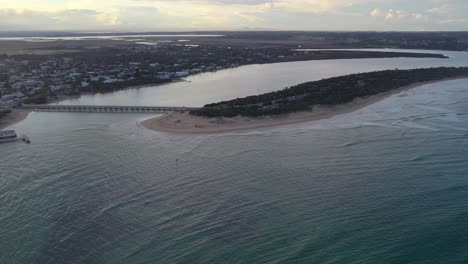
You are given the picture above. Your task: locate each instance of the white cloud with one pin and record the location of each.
(444, 9)
(73, 19)
(376, 12)
(452, 21)
(230, 14)
(396, 15)
(419, 16)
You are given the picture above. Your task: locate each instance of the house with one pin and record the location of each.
(8, 97)
(164, 75)
(181, 74)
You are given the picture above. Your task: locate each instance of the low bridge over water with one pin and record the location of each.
(106, 108)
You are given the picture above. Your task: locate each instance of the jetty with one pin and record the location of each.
(107, 108)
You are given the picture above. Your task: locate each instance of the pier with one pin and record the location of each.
(107, 109)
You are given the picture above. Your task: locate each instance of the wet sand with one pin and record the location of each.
(184, 123)
(16, 116)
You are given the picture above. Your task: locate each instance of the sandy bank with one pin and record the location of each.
(14, 117)
(185, 123)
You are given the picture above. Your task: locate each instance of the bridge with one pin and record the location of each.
(106, 108)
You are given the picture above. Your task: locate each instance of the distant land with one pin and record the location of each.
(304, 102)
(450, 40)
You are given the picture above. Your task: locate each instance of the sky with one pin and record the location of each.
(201, 15)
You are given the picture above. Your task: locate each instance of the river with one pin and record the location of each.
(202, 89)
(385, 184)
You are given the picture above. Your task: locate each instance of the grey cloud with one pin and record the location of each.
(11, 19)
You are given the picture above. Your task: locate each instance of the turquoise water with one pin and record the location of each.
(385, 184)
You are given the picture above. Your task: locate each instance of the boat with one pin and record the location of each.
(11, 136)
(26, 139)
(8, 134)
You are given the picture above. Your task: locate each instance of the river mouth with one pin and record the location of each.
(386, 183)
(370, 178)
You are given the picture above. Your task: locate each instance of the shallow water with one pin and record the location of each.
(385, 184)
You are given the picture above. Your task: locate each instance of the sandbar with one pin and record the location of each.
(184, 123)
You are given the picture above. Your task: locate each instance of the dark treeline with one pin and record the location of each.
(337, 90)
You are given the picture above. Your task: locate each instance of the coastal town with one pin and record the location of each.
(30, 78)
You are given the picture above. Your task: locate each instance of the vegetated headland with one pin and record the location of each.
(333, 91)
(304, 102)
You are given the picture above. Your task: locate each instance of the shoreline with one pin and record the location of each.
(72, 97)
(184, 123)
(18, 115)
(15, 117)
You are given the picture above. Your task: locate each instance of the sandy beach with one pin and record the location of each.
(184, 123)
(16, 116)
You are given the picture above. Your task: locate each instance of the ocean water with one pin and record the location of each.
(385, 184)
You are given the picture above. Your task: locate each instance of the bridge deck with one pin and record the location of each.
(107, 108)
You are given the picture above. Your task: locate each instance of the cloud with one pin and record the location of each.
(398, 15)
(148, 15)
(299, 6)
(74, 19)
(30, 19)
(395, 15)
(444, 9)
(452, 21)
(376, 12)
(419, 16)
